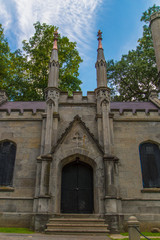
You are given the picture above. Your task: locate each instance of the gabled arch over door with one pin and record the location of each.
(77, 188)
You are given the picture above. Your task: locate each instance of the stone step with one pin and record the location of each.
(71, 231)
(75, 215)
(77, 224)
(77, 220)
(89, 226)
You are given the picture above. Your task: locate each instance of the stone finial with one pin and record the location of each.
(99, 35)
(154, 98)
(3, 96)
(153, 94)
(55, 40)
(101, 64)
(133, 226)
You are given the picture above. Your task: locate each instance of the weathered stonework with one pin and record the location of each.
(103, 135)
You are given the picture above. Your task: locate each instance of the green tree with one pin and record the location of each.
(38, 52)
(136, 73)
(4, 55)
(25, 75)
(11, 69)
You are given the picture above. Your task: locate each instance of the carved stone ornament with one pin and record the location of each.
(3, 96)
(103, 95)
(79, 139)
(52, 94)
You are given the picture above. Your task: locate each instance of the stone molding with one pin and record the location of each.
(76, 119)
(110, 158)
(6, 189)
(150, 190)
(103, 94)
(155, 101)
(47, 157)
(56, 115)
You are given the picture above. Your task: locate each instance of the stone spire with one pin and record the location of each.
(155, 29)
(101, 64)
(52, 99)
(54, 64)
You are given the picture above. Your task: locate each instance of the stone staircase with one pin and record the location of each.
(77, 224)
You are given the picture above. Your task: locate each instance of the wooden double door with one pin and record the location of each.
(77, 188)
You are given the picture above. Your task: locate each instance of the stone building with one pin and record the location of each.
(80, 156)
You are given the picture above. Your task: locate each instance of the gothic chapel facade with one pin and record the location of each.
(80, 156)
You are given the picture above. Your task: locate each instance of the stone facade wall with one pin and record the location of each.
(129, 132)
(128, 135)
(17, 201)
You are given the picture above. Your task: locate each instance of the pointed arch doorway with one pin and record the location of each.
(77, 188)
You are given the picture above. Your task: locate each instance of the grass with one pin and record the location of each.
(144, 233)
(15, 230)
(128, 239)
(121, 238)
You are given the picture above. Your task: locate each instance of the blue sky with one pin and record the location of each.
(79, 20)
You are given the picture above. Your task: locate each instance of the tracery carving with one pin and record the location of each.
(52, 94)
(103, 95)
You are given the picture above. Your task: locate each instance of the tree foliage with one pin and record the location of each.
(31, 69)
(11, 69)
(4, 55)
(136, 73)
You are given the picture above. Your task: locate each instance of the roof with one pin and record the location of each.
(40, 106)
(134, 106)
(23, 106)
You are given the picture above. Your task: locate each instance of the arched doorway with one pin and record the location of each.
(77, 188)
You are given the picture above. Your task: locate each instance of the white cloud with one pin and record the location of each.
(75, 18)
(5, 17)
(157, 2)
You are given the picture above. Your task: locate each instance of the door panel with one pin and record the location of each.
(77, 188)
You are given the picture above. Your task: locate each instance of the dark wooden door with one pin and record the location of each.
(77, 188)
